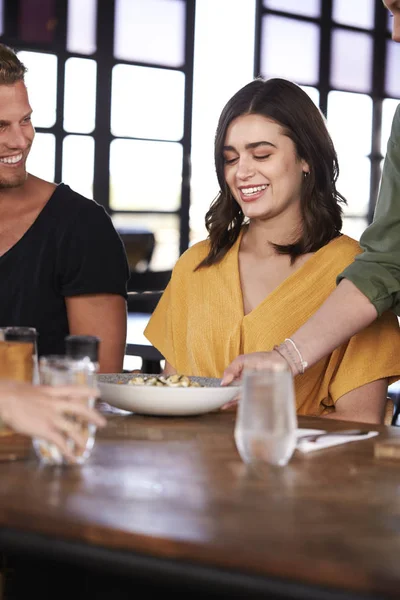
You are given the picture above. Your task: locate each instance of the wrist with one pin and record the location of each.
(282, 352)
(291, 353)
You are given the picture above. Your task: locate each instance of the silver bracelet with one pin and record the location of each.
(303, 363)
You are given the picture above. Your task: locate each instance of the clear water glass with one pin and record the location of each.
(61, 370)
(266, 422)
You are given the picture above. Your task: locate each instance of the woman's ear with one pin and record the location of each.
(305, 167)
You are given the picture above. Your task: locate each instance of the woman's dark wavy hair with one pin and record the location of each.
(289, 106)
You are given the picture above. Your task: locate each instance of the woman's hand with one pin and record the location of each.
(44, 411)
(255, 361)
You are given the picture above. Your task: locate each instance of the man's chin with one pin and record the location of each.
(13, 182)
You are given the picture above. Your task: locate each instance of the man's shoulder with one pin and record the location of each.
(68, 209)
(67, 200)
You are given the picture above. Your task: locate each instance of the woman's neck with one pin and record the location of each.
(261, 236)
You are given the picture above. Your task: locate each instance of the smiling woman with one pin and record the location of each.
(272, 255)
(274, 114)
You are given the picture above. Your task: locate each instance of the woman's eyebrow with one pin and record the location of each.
(257, 144)
(249, 146)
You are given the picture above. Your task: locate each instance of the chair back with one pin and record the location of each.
(143, 302)
(148, 281)
(145, 290)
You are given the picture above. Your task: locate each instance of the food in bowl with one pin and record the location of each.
(208, 395)
(162, 381)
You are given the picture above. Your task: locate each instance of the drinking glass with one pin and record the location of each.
(62, 370)
(23, 335)
(266, 422)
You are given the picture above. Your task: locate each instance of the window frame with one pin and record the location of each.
(380, 35)
(104, 57)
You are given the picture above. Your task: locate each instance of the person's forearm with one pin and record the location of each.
(344, 313)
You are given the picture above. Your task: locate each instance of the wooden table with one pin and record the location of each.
(169, 500)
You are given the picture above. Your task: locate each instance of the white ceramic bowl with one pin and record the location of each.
(164, 401)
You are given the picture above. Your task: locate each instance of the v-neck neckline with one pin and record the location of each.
(34, 225)
(301, 271)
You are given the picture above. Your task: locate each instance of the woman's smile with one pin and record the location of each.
(252, 192)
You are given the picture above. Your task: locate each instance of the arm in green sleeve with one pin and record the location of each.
(376, 271)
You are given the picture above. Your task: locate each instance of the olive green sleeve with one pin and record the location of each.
(376, 271)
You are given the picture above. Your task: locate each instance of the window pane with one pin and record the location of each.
(224, 78)
(41, 81)
(37, 20)
(350, 122)
(312, 92)
(388, 109)
(80, 109)
(354, 227)
(310, 8)
(41, 159)
(78, 163)
(351, 60)
(81, 26)
(145, 175)
(150, 32)
(354, 182)
(350, 125)
(166, 231)
(147, 102)
(290, 49)
(392, 69)
(359, 13)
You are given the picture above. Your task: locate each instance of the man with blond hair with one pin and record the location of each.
(63, 267)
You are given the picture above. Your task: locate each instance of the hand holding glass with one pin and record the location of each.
(60, 370)
(266, 423)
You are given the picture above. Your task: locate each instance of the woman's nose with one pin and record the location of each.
(245, 169)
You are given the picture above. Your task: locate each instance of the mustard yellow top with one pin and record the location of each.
(199, 325)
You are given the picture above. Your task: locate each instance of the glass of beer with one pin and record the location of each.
(24, 335)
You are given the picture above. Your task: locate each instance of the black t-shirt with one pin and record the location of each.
(71, 249)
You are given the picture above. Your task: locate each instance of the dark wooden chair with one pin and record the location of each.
(394, 397)
(148, 281)
(139, 245)
(145, 290)
(144, 302)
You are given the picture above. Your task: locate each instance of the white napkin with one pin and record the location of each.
(327, 441)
